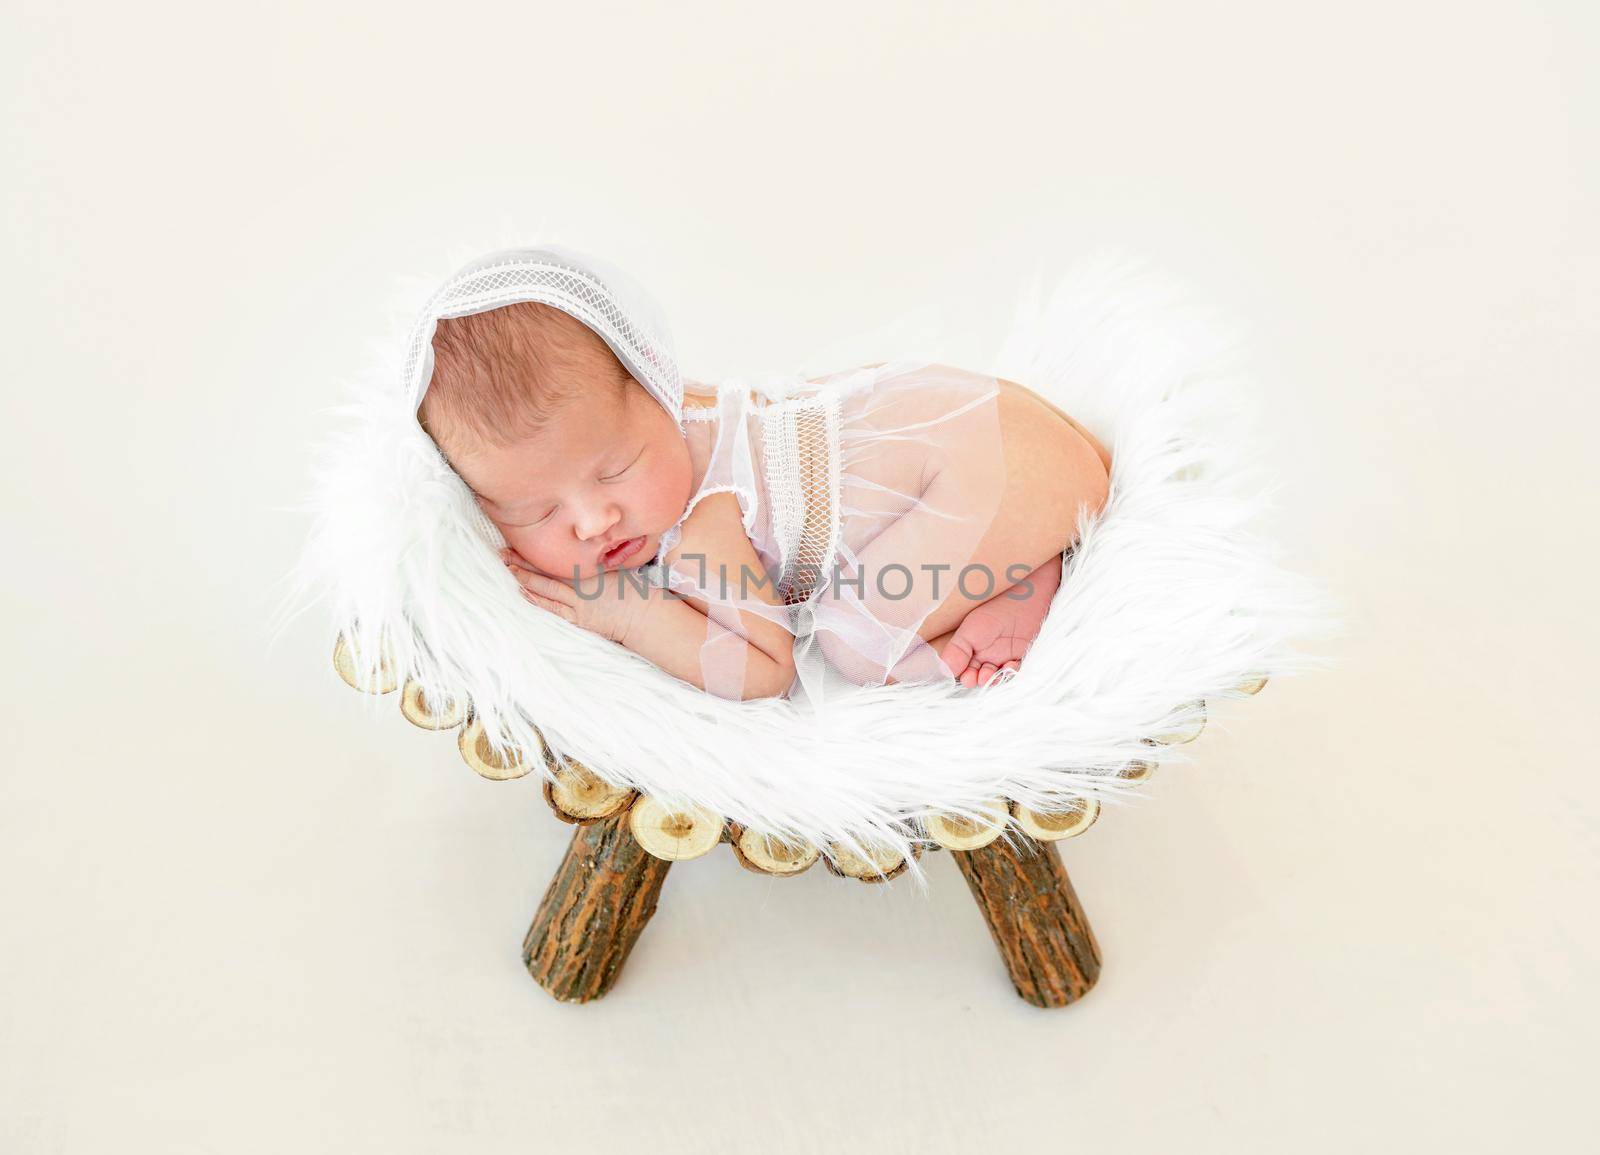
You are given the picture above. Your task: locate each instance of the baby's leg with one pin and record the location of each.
(997, 506)
(970, 626)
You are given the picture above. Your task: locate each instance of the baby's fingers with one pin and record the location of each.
(555, 607)
(515, 562)
(518, 564)
(546, 587)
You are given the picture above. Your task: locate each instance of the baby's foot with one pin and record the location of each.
(996, 634)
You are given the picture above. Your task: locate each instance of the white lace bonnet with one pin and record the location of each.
(587, 288)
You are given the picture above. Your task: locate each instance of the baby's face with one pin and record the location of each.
(604, 471)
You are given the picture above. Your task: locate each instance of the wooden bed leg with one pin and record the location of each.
(1035, 918)
(597, 906)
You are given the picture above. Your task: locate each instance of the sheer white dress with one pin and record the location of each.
(864, 495)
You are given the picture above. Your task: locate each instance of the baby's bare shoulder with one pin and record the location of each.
(715, 516)
(714, 531)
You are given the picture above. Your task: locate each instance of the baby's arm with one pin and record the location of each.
(671, 634)
(754, 649)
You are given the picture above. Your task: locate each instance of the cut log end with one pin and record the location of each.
(477, 753)
(1055, 824)
(674, 834)
(577, 794)
(344, 661)
(420, 710)
(881, 863)
(1137, 771)
(1186, 731)
(955, 832)
(766, 854)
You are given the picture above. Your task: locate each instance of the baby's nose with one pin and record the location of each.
(597, 523)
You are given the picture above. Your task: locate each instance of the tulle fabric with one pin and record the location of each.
(865, 495)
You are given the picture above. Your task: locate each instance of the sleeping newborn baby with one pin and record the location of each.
(900, 522)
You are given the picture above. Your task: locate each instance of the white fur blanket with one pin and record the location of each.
(1171, 597)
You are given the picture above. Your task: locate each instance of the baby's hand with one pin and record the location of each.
(608, 604)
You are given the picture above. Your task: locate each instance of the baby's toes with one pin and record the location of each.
(957, 656)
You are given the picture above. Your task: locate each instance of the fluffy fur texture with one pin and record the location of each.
(1171, 597)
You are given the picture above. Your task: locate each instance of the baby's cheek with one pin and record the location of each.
(528, 545)
(651, 494)
(665, 492)
(515, 539)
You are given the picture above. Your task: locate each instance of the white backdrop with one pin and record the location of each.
(238, 914)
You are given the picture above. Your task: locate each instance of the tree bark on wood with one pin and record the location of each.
(597, 906)
(1034, 915)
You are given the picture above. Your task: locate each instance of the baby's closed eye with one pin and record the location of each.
(625, 468)
(549, 513)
